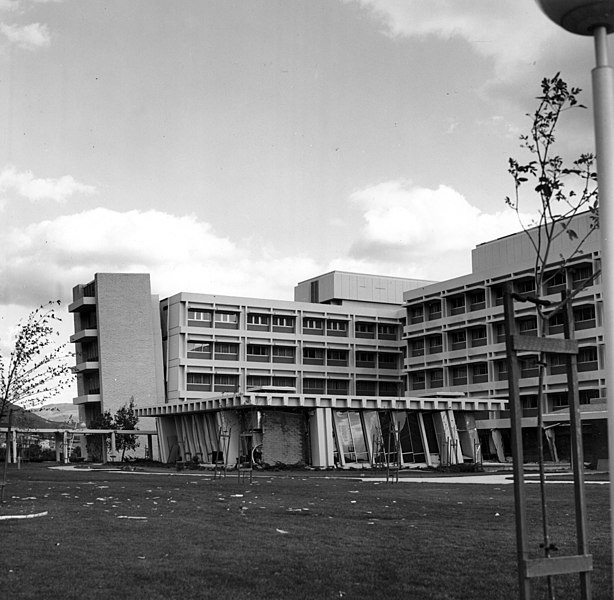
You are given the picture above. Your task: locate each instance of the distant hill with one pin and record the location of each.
(48, 416)
(59, 413)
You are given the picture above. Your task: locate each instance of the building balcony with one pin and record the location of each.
(84, 334)
(84, 303)
(87, 365)
(87, 399)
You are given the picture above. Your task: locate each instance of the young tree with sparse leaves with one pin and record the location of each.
(37, 367)
(563, 192)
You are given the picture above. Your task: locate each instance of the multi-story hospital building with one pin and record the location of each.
(355, 366)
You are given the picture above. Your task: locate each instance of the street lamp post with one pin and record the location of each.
(596, 18)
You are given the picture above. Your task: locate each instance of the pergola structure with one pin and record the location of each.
(62, 438)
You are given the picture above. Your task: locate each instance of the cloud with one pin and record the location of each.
(36, 189)
(418, 232)
(9, 5)
(489, 32)
(28, 37)
(47, 259)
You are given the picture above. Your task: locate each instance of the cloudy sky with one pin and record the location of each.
(241, 146)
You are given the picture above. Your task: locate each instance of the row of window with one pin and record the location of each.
(311, 356)
(473, 337)
(474, 300)
(587, 360)
(556, 400)
(213, 382)
(285, 323)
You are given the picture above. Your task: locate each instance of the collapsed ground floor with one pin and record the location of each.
(326, 432)
(321, 432)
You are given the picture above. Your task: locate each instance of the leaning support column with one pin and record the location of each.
(321, 435)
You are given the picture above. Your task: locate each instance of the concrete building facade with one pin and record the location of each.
(356, 368)
(118, 347)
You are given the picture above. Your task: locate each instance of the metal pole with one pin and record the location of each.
(603, 106)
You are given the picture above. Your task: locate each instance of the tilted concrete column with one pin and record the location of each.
(321, 435)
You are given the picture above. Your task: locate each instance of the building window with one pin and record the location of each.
(458, 340)
(312, 385)
(365, 359)
(587, 396)
(556, 323)
(387, 360)
(478, 336)
(529, 401)
(313, 356)
(337, 358)
(227, 320)
(226, 383)
(288, 382)
(584, 317)
(417, 348)
(313, 326)
(226, 317)
(580, 276)
(558, 399)
(527, 326)
(284, 354)
(529, 367)
(477, 300)
(587, 359)
(479, 373)
(283, 323)
(498, 293)
(418, 380)
(198, 382)
(501, 370)
(338, 387)
(457, 305)
(389, 388)
(499, 332)
(434, 310)
(459, 375)
(257, 353)
(257, 322)
(89, 352)
(556, 281)
(88, 320)
(225, 351)
(199, 349)
(338, 328)
(201, 318)
(525, 286)
(366, 388)
(557, 364)
(436, 378)
(387, 332)
(435, 344)
(91, 383)
(257, 381)
(416, 314)
(365, 330)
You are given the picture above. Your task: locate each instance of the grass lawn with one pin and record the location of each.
(287, 535)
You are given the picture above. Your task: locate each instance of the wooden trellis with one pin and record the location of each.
(548, 566)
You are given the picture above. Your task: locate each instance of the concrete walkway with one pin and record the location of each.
(482, 479)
